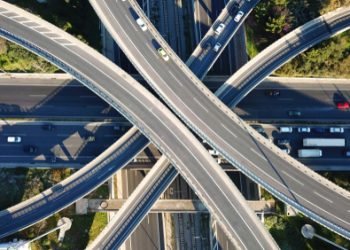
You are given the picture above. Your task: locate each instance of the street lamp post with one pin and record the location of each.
(308, 232)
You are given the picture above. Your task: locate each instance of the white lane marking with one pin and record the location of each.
(132, 22)
(293, 178)
(227, 143)
(199, 103)
(176, 79)
(37, 95)
(234, 135)
(258, 154)
(323, 197)
(189, 173)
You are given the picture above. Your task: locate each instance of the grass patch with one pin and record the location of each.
(252, 49)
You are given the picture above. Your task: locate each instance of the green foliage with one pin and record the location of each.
(287, 233)
(74, 16)
(328, 59)
(274, 18)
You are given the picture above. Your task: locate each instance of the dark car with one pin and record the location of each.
(272, 92)
(48, 127)
(294, 113)
(320, 130)
(30, 149)
(233, 8)
(258, 128)
(283, 141)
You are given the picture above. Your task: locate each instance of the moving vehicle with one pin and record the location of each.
(217, 47)
(163, 54)
(272, 92)
(294, 113)
(90, 138)
(286, 150)
(30, 149)
(239, 16)
(286, 129)
(309, 153)
(336, 130)
(258, 128)
(283, 142)
(220, 28)
(343, 105)
(14, 139)
(347, 153)
(141, 23)
(324, 142)
(304, 129)
(233, 9)
(214, 152)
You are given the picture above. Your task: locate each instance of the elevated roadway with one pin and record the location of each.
(280, 174)
(136, 207)
(167, 205)
(74, 187)
(148, 114)
(280, 52)
(204, 57)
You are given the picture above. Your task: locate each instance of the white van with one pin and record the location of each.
(336, 130)
(14, 139)
(286, 129)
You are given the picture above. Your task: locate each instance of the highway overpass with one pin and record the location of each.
(280, 52)
(200, 110)
(143, 110)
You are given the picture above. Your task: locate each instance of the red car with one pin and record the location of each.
(343, 105)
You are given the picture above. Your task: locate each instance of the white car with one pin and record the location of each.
(217, 47)
(304, 130)
(14, 139)
(141, 23)
(336, 130)
(163, 54)
(220, 28)
(239, 16)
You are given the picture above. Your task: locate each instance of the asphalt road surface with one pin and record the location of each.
(75, 143)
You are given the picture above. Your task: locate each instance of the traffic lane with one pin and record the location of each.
(132, 94)
(181, 79)
(223, 64)
(69, 143)
(315, 104)
(296, 140)
(53, 101)
(146, 235)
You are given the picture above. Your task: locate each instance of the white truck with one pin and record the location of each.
(308, 153)
(324, 142)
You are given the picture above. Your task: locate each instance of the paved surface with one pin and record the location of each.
(204, 57)
(66, 145)
(66, 192)
(169, 79)
(314, 98)
(332, 158)
(169, 206)
(148, 233)
(54, 98)
(123, 93)
(287, 47)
